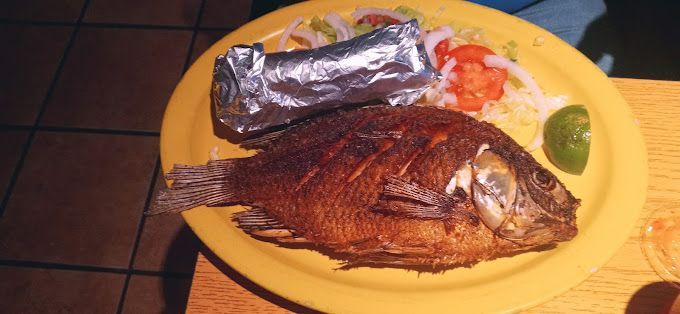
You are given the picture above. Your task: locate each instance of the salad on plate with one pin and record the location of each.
(484, 79)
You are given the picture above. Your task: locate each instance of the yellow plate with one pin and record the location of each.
(612, 187)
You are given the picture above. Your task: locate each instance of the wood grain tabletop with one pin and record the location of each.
(625, 284)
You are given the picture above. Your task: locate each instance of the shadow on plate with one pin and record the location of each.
(222, 131)
(225, 132)
(657, 297)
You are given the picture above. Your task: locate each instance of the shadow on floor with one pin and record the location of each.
(253, 287)
(641, 39)
(176, 288)
(657, 297)
(181, 255)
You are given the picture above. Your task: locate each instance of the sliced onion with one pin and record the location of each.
(431, 95)
(287, 32)
(342, 29)
(432, 38)
(310, 37)
(446, 71)
(536, 93)
(450, 98)
(321, 39)
(444, 83)
(361, 12)
(453, 76)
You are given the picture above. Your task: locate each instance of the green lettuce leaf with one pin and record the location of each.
(319, 25)
(361, 29)
(511, 51)
(411, 13)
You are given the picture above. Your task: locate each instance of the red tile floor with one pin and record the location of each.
(82, 94)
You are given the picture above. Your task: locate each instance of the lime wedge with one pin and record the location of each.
(566, 138)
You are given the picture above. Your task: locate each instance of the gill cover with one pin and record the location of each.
(502, 199)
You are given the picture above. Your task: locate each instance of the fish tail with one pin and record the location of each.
(194, 186)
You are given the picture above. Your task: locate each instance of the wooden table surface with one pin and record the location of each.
(625, 283)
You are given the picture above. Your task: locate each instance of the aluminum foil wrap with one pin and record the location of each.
(252, 90)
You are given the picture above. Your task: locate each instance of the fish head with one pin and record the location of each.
(522, 201)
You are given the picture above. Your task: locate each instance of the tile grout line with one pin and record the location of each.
(97, 131)
(138, 236)
(17, 127)
(88, 268)
(113, 25)
(187, 61)
(43, 105)
(36, 23)
(197, 23)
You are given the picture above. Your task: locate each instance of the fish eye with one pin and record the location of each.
(543, 179)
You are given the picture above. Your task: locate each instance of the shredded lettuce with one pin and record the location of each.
(471, 35)
(511, 51)
(320, 25)
(411, 13)
(361, 29)
(515, 113)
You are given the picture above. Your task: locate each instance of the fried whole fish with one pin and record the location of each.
(388, 185)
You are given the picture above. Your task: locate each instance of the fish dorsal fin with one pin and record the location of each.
(262, 142)
(404, 198)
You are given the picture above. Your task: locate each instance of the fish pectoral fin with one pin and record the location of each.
(262, 142)
(401, 197)
(258, 222)
(411, 210)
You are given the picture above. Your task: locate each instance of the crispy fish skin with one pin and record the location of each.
(325, 181)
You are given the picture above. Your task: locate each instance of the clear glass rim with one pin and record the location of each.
(651, 250)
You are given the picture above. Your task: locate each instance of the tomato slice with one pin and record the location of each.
(376, 20)
(441, 51)
(476, 83)
(470, 53)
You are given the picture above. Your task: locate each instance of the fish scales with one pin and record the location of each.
(363, 191)
(326, 179)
